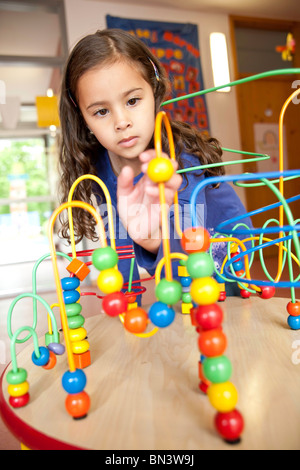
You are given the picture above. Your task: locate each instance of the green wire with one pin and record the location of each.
(258, 76)
(130, 274)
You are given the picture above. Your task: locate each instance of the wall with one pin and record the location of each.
(85, 17)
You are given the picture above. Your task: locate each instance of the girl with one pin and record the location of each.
(112, 89)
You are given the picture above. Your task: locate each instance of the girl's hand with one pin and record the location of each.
(139, 205)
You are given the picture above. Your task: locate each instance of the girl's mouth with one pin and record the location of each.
(129, 142)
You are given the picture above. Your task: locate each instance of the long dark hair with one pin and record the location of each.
(79, 147)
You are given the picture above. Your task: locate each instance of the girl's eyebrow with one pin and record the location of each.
(103, 103)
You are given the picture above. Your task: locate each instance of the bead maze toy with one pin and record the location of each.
(199, 290)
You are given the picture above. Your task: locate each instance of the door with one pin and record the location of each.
(260, 103)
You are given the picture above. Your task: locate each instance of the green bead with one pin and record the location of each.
(217, 369)
(186, 298)
(76, 322)
(168, 292)
(182, 262)
(73, 309)
(50, 338)
(16, 378)
(104, 258)
(200, 264)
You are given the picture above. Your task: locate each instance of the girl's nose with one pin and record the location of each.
(122, 122)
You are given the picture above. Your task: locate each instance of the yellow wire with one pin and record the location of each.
(281, 211)
(109, 210)
(161, 263)
(61, 303)
(49, 319)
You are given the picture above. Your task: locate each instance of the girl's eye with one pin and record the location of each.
(133, 101)
(101, 112)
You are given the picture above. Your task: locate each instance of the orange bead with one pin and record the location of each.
(52, 361)
(136, 320)
(195, 239)
(212, 342)
(78, 404)
(293, 308)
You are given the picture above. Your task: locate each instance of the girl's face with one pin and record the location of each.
(119, 108)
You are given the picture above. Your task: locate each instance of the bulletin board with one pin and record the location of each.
(177, 48)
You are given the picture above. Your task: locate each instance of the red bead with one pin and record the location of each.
(18, 402)
(115, 304)
(203, 387)
(267, 292)
(78, 404)
(131, 297)
(245, 293)
(209, 316)
(193, 311)
(212, 342)
(195, 239)
(230, 425)
(222, 296)
(293, 308)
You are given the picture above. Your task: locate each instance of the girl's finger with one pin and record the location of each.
(125, 181)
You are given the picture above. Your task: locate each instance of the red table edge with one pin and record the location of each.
(30, 437)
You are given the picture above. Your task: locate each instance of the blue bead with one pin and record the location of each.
(219, 279)
(57, 348)
(70, 283)
(71, 296)
(238, 265)
(44, 357)
(185, 281)
(161, 315)
(294, 322)
(74, 382)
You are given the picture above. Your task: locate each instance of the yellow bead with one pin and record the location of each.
(80, 347)
(18, 390)
(223, 397)
(78, 334)
(160, 170)
(110, 280)
(234, 247)
(205, 290)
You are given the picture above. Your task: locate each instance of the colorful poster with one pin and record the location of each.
(176, 46)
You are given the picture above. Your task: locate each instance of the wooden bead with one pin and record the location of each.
(18, 402)
(15, 378)
(52, 361)
(18, 390)
(104, 258)
(78, 404)
(195, 239)
(160, 170)
(110, 280)
(135, 320)
(79, 347)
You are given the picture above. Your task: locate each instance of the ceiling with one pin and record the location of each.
(36, 32)
(277, 9)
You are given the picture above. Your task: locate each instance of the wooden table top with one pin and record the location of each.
(144, 391)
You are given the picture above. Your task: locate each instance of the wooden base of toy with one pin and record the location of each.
(144, 392)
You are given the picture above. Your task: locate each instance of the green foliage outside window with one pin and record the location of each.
(26, 159)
